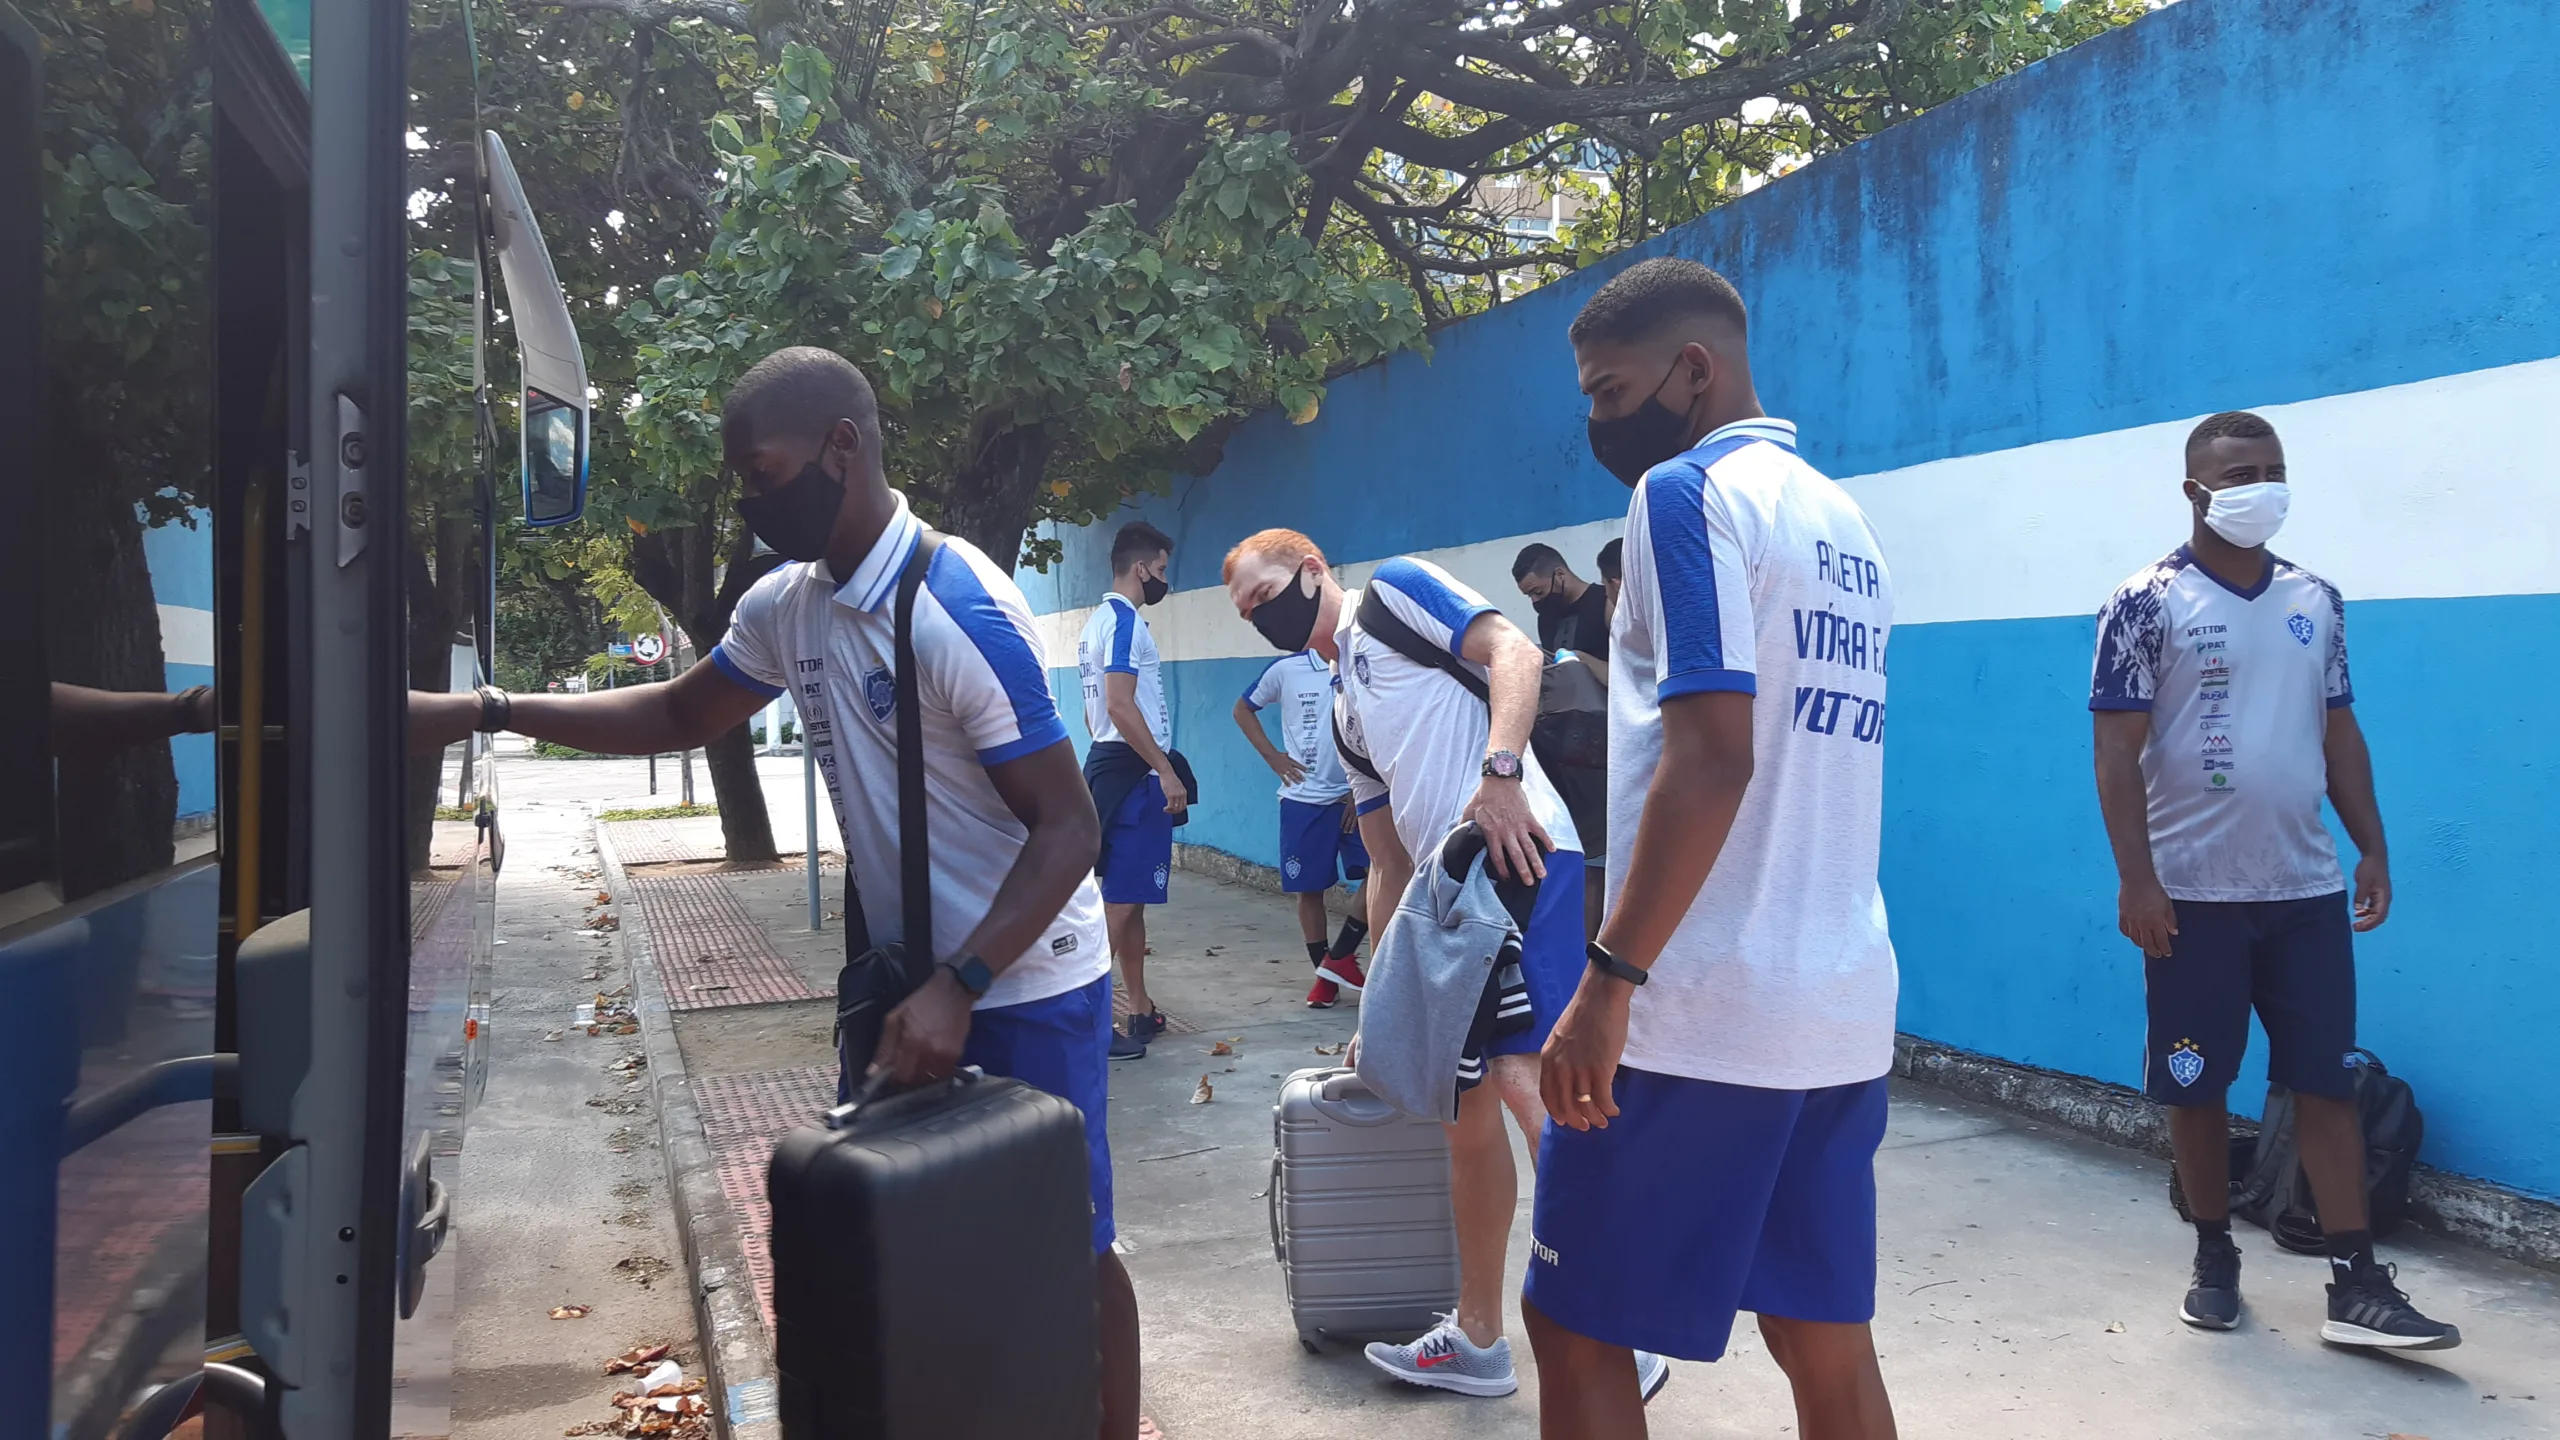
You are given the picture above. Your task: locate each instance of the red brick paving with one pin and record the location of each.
(710, 951)
(743, 1116)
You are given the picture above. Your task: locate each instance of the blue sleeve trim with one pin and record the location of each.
(1367, 807)
(1444, 605)
(1038, 740)
(963, 596)
(2341, 702)
(2118, 702)
(1124, 637)
(728, 668)
(1684, 570)
(1741, 682)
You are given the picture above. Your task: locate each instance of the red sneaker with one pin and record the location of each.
(1323, 994)
(1343, 970)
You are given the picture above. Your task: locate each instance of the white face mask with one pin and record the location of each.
(2249, 515)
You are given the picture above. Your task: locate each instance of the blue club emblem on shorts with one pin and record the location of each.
(1290, 867)
(2186, 1063)
(2299, 625)
(880, 692)
(1163, 874)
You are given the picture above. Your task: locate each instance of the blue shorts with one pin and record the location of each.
(1552, 953)
(1139, 868)
(1315, 850)
(1703, 1200)
(2293, 961)
(1061, 1045)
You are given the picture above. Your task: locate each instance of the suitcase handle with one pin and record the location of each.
(1345, 1100)
(1279, 1248)
(872, 1095)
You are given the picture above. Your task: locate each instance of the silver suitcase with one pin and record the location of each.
(1360, 1217)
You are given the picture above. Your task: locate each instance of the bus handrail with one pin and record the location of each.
(171, 1082)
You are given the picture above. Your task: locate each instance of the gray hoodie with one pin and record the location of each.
(1428, 976)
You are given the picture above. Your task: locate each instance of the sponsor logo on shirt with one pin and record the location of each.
(1837, 712)
(2212, 765)
(2207, 647)
(2195, 630)
(2217, 743)
(1063, 945)
(2222, 784)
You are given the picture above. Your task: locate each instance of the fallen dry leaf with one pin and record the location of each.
(603, 899)
(1202, 1095)
(2115, 1327)
(1222, 1048)
(635, 1358)
(571, 1312)
(1330, 1049)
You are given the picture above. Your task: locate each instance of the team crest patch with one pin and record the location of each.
(1163, 875)
(2299, 626)
(2186, 1062)
(880, 692)
(1360, 666)
(1290, 867)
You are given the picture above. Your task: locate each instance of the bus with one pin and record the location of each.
(245, 938)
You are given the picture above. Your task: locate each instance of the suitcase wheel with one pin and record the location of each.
(1313, 1340)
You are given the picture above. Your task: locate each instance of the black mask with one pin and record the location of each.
(1552, 604)
(1640, 439)
(1151, 589)
(1288, 619)
(796, 520)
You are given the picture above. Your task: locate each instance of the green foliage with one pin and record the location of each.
(659, 812)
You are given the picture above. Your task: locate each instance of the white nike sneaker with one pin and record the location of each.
(1445, 1359)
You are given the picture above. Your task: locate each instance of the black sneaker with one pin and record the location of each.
(2367, 1308)
(2213, 1302)
(1126, 1045)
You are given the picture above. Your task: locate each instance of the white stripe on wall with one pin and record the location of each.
(186, 635)
(2438, 488)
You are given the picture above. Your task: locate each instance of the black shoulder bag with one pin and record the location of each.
(1380, 622)
(876, 977)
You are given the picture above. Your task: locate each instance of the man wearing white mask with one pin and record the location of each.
(2223, 714)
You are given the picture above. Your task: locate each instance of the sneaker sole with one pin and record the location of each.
(1449, 1381)
(1320, 1004)
(2207, 1322)
(1120, 1055)
(1661, 1378)
(2339, 1332)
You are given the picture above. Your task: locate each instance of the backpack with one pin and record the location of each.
(1572, 728)
(2269, 1189)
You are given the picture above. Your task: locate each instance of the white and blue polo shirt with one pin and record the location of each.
(2239, 684)
(1118, 641)
(1302, 686)
(1747, 570)
(983, 685)
(1423, 731)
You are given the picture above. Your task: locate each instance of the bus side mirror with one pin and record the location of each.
(556, 414)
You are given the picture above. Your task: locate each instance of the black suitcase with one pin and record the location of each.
(933, 1269)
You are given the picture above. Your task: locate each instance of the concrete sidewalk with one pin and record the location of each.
(2029, 1277)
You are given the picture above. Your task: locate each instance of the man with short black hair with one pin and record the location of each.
(1137, 788)
(1572, 612)
(1027, 990)
(1611, 562)
(2223, 714)
(1718, 1081)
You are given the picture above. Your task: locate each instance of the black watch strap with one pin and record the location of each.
(497, 707)
(971, 972)
(1602, 960)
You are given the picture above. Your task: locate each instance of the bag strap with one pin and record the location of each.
(915, 863)
(1379, 619)
(1351, 757)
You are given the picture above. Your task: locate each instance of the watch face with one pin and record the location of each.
(1502, 764)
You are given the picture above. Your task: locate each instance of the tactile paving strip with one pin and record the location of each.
(710, 951)
(656, 842)
(743, 1116)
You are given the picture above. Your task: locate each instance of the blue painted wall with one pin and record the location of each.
(2226, 204)
(181, 561)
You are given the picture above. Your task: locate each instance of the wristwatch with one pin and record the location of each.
(1609, 964)
(971, 972)
(1502, 765)
(497, 707)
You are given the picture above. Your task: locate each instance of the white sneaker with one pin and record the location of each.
(1445, 1359)
(1652, 1373)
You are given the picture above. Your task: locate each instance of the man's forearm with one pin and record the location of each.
(2127, 811)
(632, 721)
(2351, 791)
(1250, 722)
(1516, 672)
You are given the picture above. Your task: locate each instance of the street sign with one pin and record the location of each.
(648, 649)
(618, 649)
